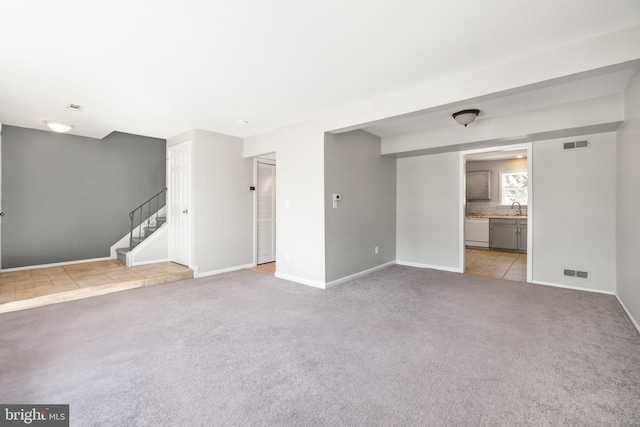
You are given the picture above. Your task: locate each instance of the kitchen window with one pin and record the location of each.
(514, 187)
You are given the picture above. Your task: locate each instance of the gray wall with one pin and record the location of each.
(573, 200)
(366, 217)
(68, 198)
(429, 210)
(628, 202)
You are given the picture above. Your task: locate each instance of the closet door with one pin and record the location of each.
(266, 213)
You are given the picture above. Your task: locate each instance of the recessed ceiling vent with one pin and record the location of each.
(576, 144)
(75, 107)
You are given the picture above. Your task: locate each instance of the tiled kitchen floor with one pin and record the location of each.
(43, 286)
(268, 268)
(497, 264)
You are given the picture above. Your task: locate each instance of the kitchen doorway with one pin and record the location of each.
(497, 200)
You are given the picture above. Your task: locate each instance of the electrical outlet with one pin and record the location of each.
(376, 250)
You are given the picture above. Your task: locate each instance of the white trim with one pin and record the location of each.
(462, 206)
(435, 267)
(301, 280)
(155, 261)
(530, 213)
(356, 275)
(573, 288)
(624, 307)
(57, 264)
(0, 195)
(222, 270)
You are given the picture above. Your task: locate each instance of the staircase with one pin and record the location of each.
(145, 220)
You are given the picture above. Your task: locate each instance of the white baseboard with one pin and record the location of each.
(633, 321)
(573, 288)
(300, 280)
(56, 264)
(222, 270)
(155, 261)
(435, 267)
(359, 274)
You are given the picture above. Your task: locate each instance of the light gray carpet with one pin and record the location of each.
(399, 347)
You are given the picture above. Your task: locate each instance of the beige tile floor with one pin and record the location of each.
(497, 264)
(268, 268)
(42, 286)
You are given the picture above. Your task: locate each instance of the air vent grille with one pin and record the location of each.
(582, 144)
(576, 144)
(576, 273)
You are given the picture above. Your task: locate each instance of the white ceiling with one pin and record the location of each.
(561, 93)
(159, 68)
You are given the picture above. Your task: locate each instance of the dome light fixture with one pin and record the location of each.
(59, 127)
(465, 117)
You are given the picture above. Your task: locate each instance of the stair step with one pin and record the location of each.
(149, 230)
(121, 254)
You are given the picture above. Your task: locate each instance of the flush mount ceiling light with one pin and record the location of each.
(465, 117)
(59, 127)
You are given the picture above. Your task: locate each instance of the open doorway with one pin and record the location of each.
(496, 215)
(266, 214)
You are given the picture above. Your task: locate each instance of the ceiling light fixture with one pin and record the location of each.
(465, 117)
(59, 127)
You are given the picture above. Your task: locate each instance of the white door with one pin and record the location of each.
(179, 203)
(266, 213)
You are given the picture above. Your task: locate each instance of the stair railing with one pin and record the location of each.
(146, 215)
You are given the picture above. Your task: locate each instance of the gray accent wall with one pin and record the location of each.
(68, 198)
(366, 215)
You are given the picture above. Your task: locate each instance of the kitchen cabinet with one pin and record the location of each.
(522, 235)
(508, 233)
(479, 185)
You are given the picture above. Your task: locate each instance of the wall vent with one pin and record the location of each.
(576, 144)
(576, 273)
(582, 274)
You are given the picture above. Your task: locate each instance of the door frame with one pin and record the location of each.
(530, 211)
(1, 196)
(268, 161)
(172, 229)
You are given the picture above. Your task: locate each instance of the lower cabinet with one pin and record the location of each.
(508, 233)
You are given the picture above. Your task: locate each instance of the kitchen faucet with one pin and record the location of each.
(519, 207)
